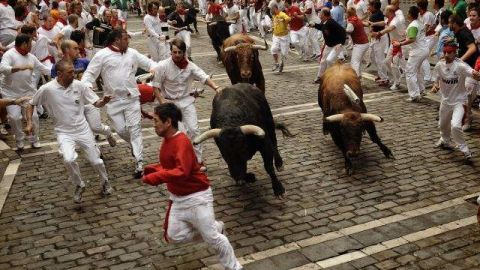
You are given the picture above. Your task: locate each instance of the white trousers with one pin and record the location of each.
(244, 20)
(85, 140)
(92, 114)
(158, 49)
(15, 118)
(122, 15)
(187, 224)
(260, 25)
(450, 122)
(252, 22)
(126, 119)
(202, 6)
(414, 72)
(280, 45)
(378, 51)
(297, 39)
(185, 36)
(312, 39)
(329, 57)
(427, 74)
(358, 52)
(393, 65)
(189, 126)
(7, 36)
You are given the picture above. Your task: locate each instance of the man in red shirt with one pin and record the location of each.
(298, 31)
(190, 214)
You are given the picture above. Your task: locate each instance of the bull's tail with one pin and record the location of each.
(283, 128)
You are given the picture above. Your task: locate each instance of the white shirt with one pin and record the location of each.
(7, 19)
(40, 47)
(420, 41)
(427, 19)
(475, 33)
(280, 4)
(50, 34)
(60, 25)
(451, 78)
(62, 5)
(400, 16)
(360, 8)
(174, 82)
(117, 71)
(153, 26)
(399, 32)
(312, 17)
(66, 105)
(19, 84)
(67, 31)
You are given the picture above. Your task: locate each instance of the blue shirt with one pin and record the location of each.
(79, 66)
(338, 13)
(444, 32)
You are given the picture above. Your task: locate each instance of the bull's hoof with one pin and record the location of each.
(250, 178)
(389, 154)
(279, 191)
(280, 168)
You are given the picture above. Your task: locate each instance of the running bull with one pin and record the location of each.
(217, 29)
(242, 124)
(345, 116)
(240, 58)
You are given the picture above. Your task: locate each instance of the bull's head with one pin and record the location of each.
(245, 54)
(351, 129)
(233, 144)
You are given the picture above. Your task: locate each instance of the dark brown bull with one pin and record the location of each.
(345, 116)
(240, 58)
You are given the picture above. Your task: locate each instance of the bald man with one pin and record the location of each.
(71, 54)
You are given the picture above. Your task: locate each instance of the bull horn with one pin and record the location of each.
(334, 118)
(252, 130)
(371, 117)
(212, 133)
(350, 94)
(261, 47)
(230, 48)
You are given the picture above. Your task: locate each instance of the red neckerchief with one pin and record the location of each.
(62, 21)
(356, 1)
(5, 3)
(182, 64)
(115, 49)
(181, 11)
(21, 51)
(47, 28)
(474, 28)
(352, 19)
(82, 52)
(389, 20)
(453, 2)
(163, 18)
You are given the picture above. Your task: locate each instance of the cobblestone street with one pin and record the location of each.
(416, 211)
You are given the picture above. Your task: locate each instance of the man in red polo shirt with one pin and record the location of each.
(298, 31)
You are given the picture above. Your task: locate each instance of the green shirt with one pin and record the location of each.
(460, 9)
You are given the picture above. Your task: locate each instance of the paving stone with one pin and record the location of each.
(318, 252)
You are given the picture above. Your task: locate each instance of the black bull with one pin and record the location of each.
(242, 124)
(218, 31)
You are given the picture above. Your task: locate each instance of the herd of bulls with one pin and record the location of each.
(242, 122)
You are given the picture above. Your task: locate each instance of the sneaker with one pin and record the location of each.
(275, 67)
(414, 99)
(36, 145)
(221, 227)
(280, 68)
(99, 138)
(77, 195)
(3, 130)
(44, 115)
(107, 188)
(466, 127)
(203, 167)
(468, 156)
(111, 140)
(138, 170)
(394, 87)
(20, 145)
(444, 145)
